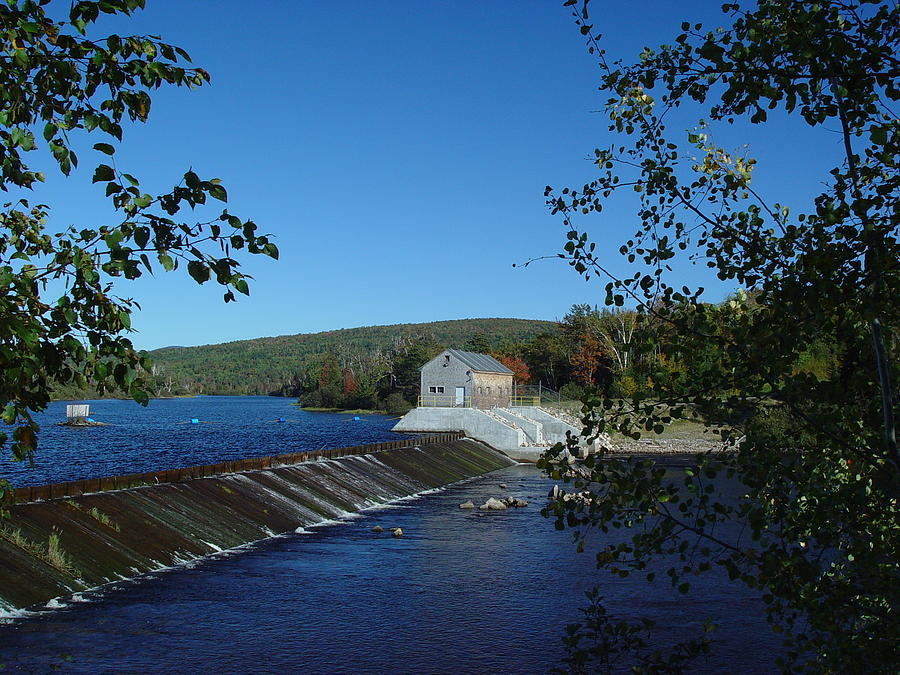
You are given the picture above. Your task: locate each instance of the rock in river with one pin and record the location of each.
(492, 505)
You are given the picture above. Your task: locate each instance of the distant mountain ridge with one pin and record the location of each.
(267, 364)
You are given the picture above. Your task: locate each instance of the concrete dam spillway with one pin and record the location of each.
(72, 537)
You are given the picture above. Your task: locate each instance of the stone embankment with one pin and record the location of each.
(665, 446)
(70, 537)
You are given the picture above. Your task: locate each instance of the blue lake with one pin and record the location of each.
(460, 592)
(161, 436)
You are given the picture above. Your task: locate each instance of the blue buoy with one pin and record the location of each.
(356, 419)
(88, 419)
(194, 420)
(281, 419)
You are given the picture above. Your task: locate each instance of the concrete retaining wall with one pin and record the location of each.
(473, 422)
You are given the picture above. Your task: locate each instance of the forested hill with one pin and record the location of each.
(276, 364)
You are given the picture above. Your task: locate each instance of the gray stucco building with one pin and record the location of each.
(455, 378)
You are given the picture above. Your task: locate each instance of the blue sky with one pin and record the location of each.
(397, 151)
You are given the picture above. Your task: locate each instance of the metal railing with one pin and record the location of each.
(539, 391)
(443, 401)
(525, 401)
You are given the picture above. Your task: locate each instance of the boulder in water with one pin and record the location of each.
(378, 528)
(397, 532)
(467, 505)
(515, 503)
(492, 505)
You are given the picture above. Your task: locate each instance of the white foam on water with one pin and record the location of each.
(9, 614)
(354, 515)
(187, 560)
(387, 506)
(327, 522)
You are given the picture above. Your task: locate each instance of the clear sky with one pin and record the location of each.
(396, 150)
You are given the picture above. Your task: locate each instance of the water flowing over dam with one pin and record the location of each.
(64, 538)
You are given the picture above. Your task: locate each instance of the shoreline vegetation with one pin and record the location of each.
(341, 411)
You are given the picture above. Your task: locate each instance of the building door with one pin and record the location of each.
(460, 396)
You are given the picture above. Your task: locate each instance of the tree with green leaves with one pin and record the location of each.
(815, 525)
(61, 322)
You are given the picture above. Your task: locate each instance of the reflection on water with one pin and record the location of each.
(461, 591)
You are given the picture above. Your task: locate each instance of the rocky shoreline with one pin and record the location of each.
(664, 446)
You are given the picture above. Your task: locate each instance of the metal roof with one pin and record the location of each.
(481, 363)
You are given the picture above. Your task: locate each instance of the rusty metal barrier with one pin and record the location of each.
(36, 493)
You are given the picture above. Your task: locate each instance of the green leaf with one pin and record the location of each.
(218, 192)
(141, 235)
(198, 271)
(878, 135)
(105, 148)
(103, 173)
(9, 414)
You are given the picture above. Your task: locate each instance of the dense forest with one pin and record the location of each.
(278, 365)
(620, 352)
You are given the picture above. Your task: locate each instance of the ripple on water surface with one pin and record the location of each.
(161, 436)
(461, 591)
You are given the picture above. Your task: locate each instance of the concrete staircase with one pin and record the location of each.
(533, 430)
(523, 433)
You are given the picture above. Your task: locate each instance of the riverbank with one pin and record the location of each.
(682, 437)
(342, 411)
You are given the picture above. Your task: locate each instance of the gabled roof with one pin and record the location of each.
(481, 363)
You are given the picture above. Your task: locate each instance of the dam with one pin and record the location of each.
(63, 538)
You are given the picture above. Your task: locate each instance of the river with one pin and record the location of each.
(461, 591)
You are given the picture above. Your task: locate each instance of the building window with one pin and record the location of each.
(480, 390)
(432, 390)
(440, 390)
(487, 390)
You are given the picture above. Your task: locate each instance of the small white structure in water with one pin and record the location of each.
(77, 413)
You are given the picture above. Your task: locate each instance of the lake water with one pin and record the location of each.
(460, 592)
(161, 436)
